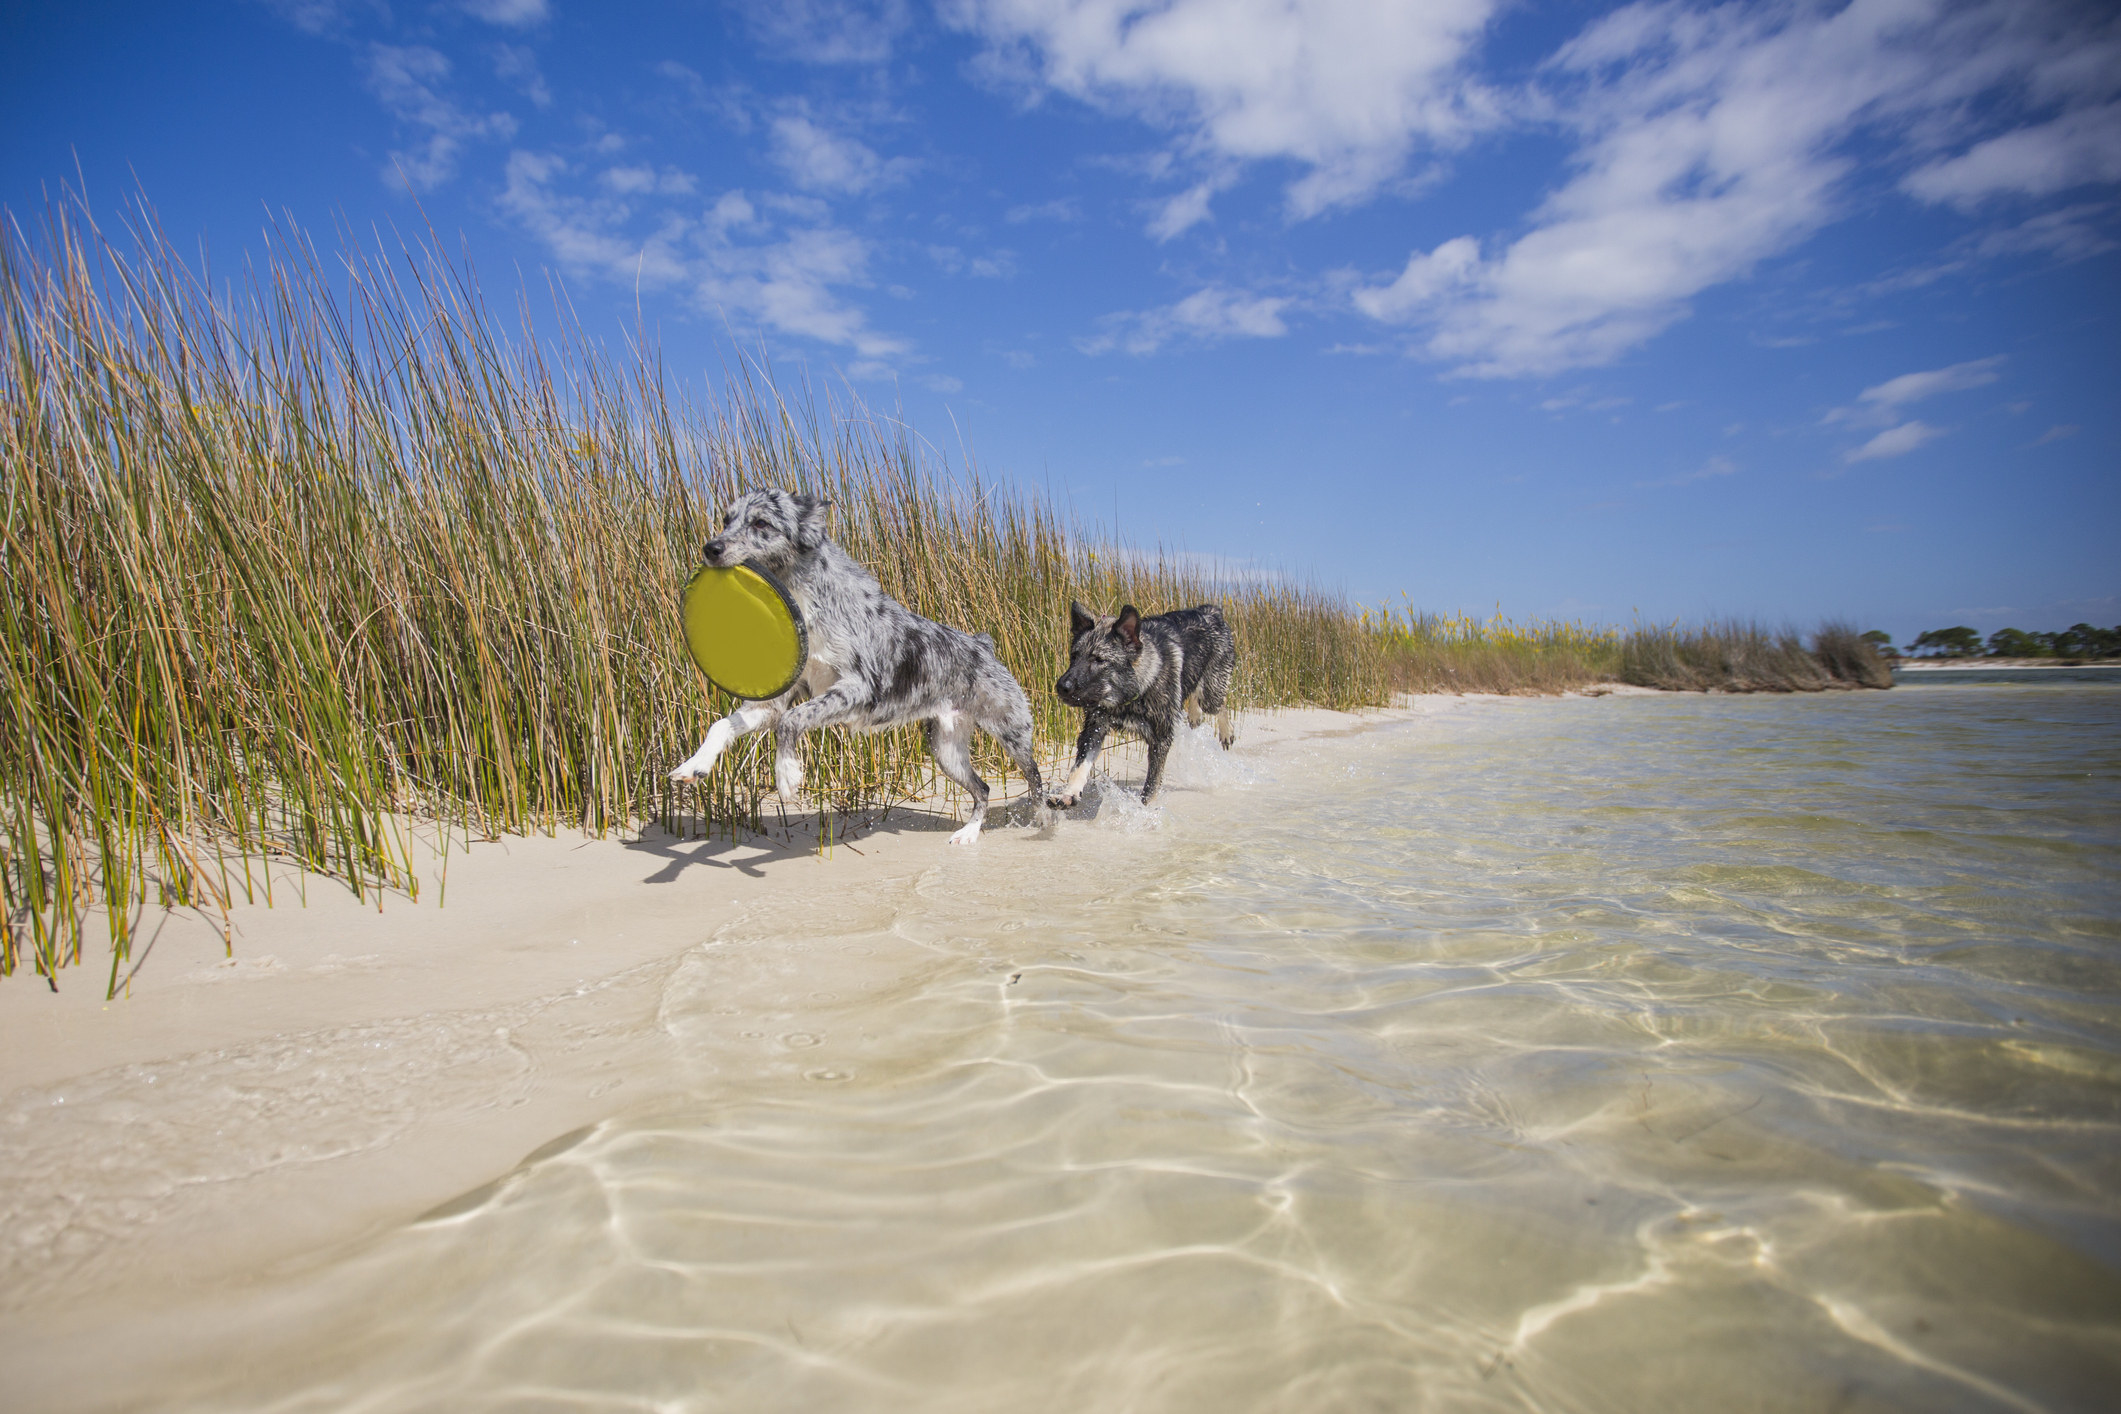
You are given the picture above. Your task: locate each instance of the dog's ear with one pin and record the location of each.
(1129, 626)
(1080, 620)
(813, 519)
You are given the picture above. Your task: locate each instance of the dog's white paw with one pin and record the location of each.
(968, 835)
(788, 776)
(702, 761)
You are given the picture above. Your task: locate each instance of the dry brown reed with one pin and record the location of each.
(1849, 657)
(1735, 655)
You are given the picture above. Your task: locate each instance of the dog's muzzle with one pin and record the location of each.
(712, 550)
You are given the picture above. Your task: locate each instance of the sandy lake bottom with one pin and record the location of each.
(1661, 1052)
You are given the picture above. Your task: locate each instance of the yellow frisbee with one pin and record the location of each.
(744, 631)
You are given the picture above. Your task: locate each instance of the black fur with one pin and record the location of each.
(1139, 674)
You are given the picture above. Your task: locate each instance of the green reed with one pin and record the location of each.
(296, 559)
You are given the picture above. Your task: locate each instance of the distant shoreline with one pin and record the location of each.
(2016, 665)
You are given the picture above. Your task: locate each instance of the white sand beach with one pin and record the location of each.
(469, 1031)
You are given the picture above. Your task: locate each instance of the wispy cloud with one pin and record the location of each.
(408, 81)
(828, 31)
(1914, 387)
(2056, 433)
(1205, 316)
(1065, 208)
(2077, 148)
(997, 265)
(1894, 442)
(514, 14)
(816, 158)
(1883, 402)
(517, 66)
(744, 259)
(1709, 470)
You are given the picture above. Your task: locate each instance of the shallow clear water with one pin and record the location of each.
(1647, 1053)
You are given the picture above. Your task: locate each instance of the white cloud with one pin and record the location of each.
(730, 258)
(647, 181)
(828, 31)
(818, 159)
(2056, 433)
(1205, 316)
(517, 66)
(1883, 403)
(1894, 442)
(587, 234)
(952, 261)
(1186, 210)
(2072, 233)
(1710, 140)
(515, 14)
(407, 80)
(2076, 149)
(1347, 88)
(1914, 387)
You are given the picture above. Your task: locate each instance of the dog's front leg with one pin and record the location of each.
(1087, 746)
(743, 721)
(834, 704)
(1159, 748)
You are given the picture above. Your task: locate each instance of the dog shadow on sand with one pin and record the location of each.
(798, 835)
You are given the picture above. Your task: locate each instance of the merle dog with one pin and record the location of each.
(873, 664)
(1136, 673)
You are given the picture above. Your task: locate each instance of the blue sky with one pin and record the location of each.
(1681, 309)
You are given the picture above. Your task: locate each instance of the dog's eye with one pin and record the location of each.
(761, 526)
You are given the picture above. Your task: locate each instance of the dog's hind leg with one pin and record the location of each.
(743, 721)
(1214, 695)
(1016, 737)
(950, 742)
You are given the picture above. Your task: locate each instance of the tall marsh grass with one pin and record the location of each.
(292, 562)
(1459, 653)
(1736, 655)
(289, 561)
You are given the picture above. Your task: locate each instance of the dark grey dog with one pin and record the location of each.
(873, 664)
(1138, 673)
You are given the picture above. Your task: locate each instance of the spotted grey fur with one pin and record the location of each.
(873, 663)
(1137, 674)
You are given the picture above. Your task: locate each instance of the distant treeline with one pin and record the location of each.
(1437, 653)
(2078, 641)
